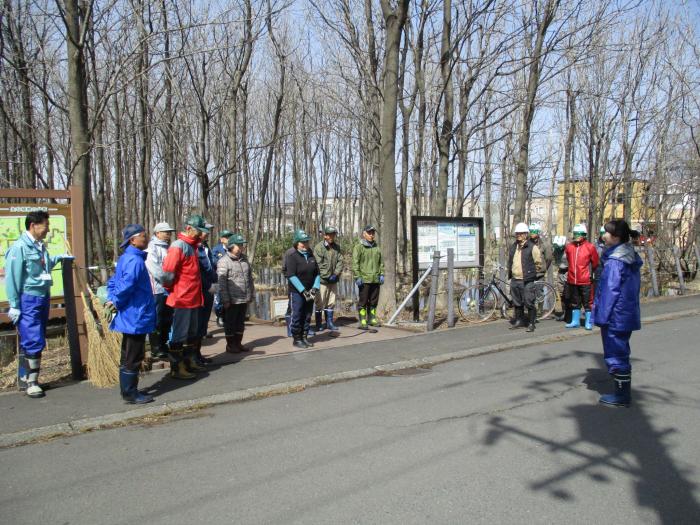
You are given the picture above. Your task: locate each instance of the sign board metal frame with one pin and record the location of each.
(436, 222)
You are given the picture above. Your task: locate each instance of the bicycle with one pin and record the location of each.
(479, 302)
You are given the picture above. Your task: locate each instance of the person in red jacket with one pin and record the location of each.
(583, 260)
(181, 265)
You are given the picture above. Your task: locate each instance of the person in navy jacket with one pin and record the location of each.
(130, 293)
(616, 308)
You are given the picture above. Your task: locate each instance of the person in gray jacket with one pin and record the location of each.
(236, 289)
(157, 250)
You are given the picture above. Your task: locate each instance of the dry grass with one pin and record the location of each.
(55, 365)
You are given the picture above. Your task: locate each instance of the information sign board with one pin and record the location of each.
(463, 234)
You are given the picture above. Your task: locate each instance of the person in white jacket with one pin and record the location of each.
(157, 249)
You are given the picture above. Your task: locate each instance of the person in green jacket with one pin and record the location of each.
(368, 270)
(330, 265)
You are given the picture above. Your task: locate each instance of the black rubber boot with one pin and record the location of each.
(520, 321)
(623, 391)
(299, 342)
(532, 314)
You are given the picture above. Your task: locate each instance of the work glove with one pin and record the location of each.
(14, 314)
(308, 296)
(333, 278)
(381, 279)
(359, 282)
(111, 309)
(313, 292)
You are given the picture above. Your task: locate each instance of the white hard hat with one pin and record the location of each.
(521, 227)
(581, 229)
(163, 227)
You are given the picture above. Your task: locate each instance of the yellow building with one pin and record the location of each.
(611, 194)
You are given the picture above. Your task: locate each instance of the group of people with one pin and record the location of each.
(165, 291)
(602, 281)
(313, 281)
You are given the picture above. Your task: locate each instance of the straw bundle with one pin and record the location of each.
(104, 346)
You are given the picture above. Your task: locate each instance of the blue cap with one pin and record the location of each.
(129, 232)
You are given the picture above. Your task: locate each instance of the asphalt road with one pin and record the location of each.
(512, 437)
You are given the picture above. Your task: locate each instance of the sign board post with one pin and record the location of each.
(463, 235)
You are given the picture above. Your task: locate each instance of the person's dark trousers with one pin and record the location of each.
(205, 314)
(164, 320)
(581, 296)
(301, 316)
(517, 294)
(234, 326)
(133, 350)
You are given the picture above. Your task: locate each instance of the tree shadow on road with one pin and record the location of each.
(616, 441)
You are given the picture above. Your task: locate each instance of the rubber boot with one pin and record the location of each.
(231, 344)
(532, 317)
(189, 352)
(128, 382)
(623, 391)
(373, 317)
(32, 378)
(589, 322)
(201, 360)
(22, 371)
(320, 327)
(288, 320)
(238, 341)
(363, 319)
(299, 342)
(329, 320)
(520, 321)
(178, 370)
(305, 338)
(575, 319)
(157, 351)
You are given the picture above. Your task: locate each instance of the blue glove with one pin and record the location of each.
(333, 278)
(14, 314)
(358, 282)
(381, 279)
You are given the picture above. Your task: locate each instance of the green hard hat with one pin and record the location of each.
(198, 223)
(226, 233)
(535, 228)
(236, 238)
(580, 230)
(329, 230)
(300, 236)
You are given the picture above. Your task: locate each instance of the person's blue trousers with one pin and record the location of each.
(301, 313)
(616, 350)
(32, 323)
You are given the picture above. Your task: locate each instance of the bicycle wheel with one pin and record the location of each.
(546, 298)
(477, 303)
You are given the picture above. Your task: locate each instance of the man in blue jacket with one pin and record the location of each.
(131, 294)
(28, 282)
(616, 309)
